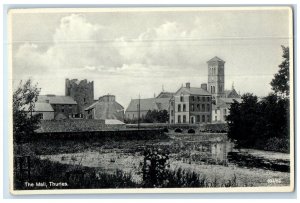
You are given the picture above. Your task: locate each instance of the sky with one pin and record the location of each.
(142, 52)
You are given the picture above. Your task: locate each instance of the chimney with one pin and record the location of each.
(204, 86)
(187, 85)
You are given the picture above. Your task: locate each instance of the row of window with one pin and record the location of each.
(213, 89)
(194, 108)
(224, 117)
(198, 117)
(196, 98)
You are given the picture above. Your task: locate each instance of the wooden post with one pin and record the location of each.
(28, 167)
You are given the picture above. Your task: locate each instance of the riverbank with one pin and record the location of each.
(205, 155)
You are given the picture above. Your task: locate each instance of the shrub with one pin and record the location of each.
(155, 167)
(277, 144)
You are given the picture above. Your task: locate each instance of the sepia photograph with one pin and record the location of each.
(151, 100)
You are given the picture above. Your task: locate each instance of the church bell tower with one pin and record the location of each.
(216, 82)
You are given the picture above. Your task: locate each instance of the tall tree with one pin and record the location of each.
(241, 120)
(280, 83)
(24, 121)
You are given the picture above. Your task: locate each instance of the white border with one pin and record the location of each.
(143, 190)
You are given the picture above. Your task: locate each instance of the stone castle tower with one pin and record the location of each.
(216, 78)
(82, 92)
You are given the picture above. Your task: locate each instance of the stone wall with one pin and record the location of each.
(123, 134)
(75, 125)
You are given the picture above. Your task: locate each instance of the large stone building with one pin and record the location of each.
(191, 105)
(208, 103)
(78, 95)
(82, 92)
(106, 108)
(63, 106)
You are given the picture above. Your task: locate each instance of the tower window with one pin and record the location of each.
(181, 98)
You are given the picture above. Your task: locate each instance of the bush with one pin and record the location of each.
(155, 167)
(278, 145)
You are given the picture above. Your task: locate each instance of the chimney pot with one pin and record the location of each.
(188, 85)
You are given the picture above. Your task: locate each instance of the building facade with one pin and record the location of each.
(63, 106)
(82, 92)
(106, 108)
(44, 110)
(190, 105)
(159, 103)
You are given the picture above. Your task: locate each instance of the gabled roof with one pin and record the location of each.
(41, 107)
(54, 99)
(149, 104)
(192, 90)
(231, 94)
(107, 110)
(215, 59)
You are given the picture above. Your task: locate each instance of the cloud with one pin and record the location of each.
(141, 60)
(76, 45)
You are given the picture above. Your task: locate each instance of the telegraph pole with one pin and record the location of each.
(139, 111)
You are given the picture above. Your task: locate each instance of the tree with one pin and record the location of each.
(280, 82)
(155, 167)
(24, 121)
(241, 120)
(155, 116)
(264, 124)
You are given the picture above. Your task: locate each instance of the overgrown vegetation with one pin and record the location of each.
(152, 116)
(156, 174)
(24, 119)
(263, 124)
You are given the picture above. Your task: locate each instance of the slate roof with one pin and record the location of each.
(41, 107)
(165, 95)
(226, 102)
(193, 91)
(149, 104)
(54, 99)
(215, 59)
(107, 110)
(231, 94)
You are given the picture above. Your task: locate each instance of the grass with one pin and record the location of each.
(79, 177)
